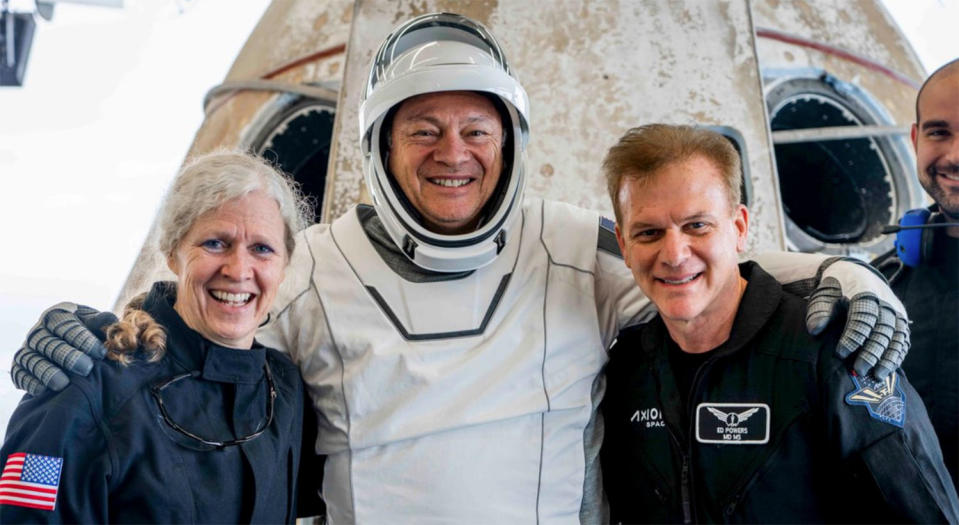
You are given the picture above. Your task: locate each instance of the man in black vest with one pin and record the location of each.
(924, 267)
(723, 408)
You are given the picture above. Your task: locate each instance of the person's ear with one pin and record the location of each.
(741, 221)
(172, 264)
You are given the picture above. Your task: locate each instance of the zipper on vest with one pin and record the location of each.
(687, 475)
(685, 488)
(686, 492)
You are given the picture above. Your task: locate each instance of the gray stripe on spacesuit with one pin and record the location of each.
(552, 262)
(539, 479)
(329, 329)
(500, 290)
(606, 242)
(549, 406)
(542, 370)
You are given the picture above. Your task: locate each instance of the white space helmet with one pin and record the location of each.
(433, 53)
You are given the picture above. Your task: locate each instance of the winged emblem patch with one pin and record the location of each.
(732, 419)
(732, 423)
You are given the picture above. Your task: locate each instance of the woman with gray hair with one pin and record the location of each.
(191, 420)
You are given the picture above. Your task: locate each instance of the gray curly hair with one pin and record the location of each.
(208, 181)
(205, 183)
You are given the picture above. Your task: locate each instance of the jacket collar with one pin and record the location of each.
(759, 303)
(194, 352)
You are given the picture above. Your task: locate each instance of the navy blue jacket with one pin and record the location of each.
(122, 463)
(778, 429)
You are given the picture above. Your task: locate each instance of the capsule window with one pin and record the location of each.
(297, 138)
(837, 193)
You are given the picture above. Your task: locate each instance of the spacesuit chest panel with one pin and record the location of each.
(427, 310)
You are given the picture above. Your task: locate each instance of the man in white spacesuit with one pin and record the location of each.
(452, 336)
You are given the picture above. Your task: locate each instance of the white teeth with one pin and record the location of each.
(954, 177)
(681, 281)
(232, 298)
(450, 183)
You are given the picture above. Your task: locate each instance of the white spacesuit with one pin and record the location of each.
(461, 396)
(463, 400)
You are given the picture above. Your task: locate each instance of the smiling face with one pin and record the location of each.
(446, 156)
(681, 239)
(936, 139)
(229, 266)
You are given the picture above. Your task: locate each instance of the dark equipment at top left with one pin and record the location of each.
(16, 37)
(17, 29)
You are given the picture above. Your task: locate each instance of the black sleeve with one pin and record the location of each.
(883, 431)
(58, 438)
(310, 480)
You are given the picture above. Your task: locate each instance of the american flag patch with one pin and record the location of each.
(30, 480)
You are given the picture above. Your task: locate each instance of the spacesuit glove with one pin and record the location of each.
(877, 327)
(60, 342)
(34, 373)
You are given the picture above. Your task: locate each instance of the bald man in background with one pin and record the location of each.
(924, 267)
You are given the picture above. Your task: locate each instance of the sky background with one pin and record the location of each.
(110, 105)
